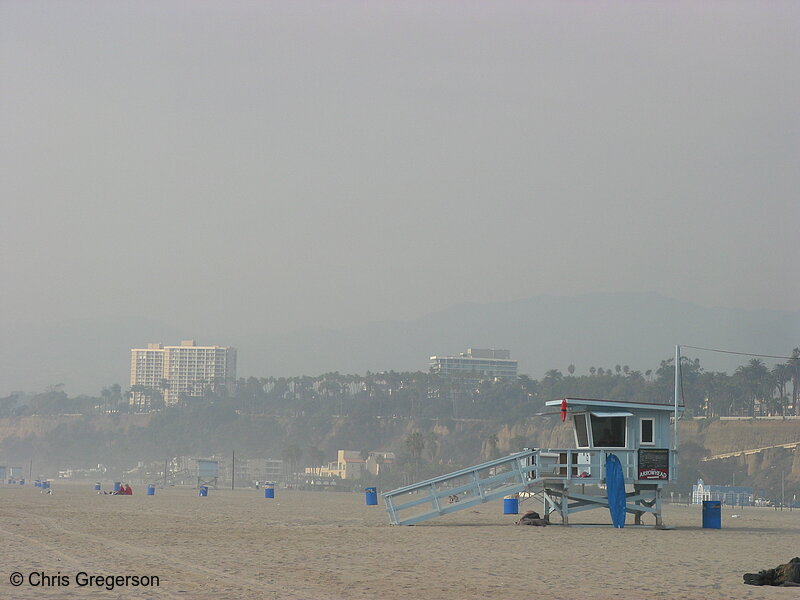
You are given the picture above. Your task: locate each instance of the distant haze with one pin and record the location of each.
(542, 333)
(253, 169)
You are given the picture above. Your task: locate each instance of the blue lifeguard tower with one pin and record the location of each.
(207, 472)
(643, 436)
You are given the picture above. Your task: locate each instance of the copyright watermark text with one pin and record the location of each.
(82, 579)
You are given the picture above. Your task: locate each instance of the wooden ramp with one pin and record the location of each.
(461, 489)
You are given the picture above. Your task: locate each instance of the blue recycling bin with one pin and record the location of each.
(151, 489)
(510, 506)
(97, 487)
(371, 496)
(269, 490)
(117, 485)
(712, 514)
(203, 491)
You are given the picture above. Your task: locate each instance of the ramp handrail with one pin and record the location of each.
(479, 489)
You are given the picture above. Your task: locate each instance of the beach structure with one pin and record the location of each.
(729, 495)
(638, 434)
(627, 450)
(207, 473)
(349, 465)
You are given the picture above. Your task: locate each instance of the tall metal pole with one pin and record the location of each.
(233, 468)
(677, 394)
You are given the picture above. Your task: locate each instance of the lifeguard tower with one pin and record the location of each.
(638, 434)
(207, 472)
(642, 436)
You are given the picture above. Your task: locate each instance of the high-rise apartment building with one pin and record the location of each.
(476, 364)
(178, 372)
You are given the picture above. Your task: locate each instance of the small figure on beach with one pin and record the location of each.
(787, 575)
(532, 518)
(128, 490)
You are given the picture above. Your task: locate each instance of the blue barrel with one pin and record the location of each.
(510, 506)
(372, 496)
(151, 489)
(269, 490)
(117, 485)
(97, 487)
(37, 483)
(712, 514)
(203, 490)
(46, 485)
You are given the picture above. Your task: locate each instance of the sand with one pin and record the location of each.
(308, 545)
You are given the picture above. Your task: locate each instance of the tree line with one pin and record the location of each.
(753, 389)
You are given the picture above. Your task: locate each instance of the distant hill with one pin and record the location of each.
(542, 333)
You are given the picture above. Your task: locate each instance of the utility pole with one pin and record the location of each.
(233, 468)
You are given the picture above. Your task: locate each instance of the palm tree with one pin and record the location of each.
(432, 444)
(571, 369)
(415, 444)
(754, 378)
(292, 454)
(316, 456)
(492, 441)
(794, 363)
(781, 375)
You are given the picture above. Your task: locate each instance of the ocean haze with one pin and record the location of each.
(545, 332)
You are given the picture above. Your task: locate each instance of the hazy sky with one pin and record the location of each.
(330, 163)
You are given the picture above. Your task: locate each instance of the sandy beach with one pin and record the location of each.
(307, 545)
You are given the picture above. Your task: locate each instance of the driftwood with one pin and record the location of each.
(787, 575)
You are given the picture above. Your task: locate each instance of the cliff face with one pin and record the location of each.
(77, 440)
(39, 426)
(731, 435)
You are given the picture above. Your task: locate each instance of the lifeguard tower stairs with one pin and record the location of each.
(459, 490)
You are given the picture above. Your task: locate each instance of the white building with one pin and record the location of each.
(179, 372)
(476, 364)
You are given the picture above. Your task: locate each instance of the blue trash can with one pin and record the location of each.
(117, 485)
(97, 487)
(37, 483)
(269, 490)
(712, 514)
(510, 506)
(372, 496)
(46, 485)
(151, 489)
(203, 490)
(22, 482)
